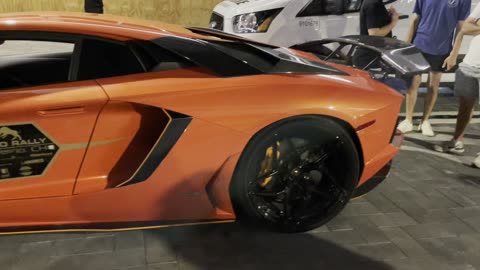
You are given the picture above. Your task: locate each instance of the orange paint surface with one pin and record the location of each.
(81, 185)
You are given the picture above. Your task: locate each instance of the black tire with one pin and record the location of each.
(310, 169)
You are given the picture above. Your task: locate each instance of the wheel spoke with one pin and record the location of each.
(275, 161)
(293, 151)
(286, 204)
(270, 174)
(268, 194)
(321, 159)
(312, 211)
(328, 175)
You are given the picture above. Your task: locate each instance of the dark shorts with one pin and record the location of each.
(435, 61)
(466, 86)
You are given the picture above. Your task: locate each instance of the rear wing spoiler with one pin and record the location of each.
(392, 54)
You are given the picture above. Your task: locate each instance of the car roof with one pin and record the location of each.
(91, 24)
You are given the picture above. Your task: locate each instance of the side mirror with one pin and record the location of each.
(335, 7)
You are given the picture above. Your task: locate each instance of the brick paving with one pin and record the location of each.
(425, 216)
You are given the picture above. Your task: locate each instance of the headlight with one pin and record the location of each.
(257, 22)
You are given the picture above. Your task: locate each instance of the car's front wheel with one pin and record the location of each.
(296, 175)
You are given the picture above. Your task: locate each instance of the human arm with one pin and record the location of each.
(469, 20)
(413, 28)
(468, 28)
(471, 27)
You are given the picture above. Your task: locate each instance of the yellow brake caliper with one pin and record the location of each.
(267, 164)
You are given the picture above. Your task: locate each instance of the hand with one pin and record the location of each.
(394, 15)
(392, 10)
(450, 62)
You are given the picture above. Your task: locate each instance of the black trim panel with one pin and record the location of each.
(179, 122)
(394, 133)
(204, 55)
(243, 58)
(373, 182)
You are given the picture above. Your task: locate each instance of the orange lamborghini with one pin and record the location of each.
(109, 123)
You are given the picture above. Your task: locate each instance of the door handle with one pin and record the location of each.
(62, 111)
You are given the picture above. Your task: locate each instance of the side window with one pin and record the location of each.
(102, 59)
(353, 5)
(28, 63)
(332, 7)
(155, 58)
(313, 8)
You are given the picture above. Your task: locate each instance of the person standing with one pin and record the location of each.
(467, 81)
(432, 31)
(375, 20)
(94, 6)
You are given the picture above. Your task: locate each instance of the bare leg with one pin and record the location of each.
(431, 98)
(465, 113)
(411, 97)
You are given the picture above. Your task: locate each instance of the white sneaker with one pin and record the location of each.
(426, 129)
(476, 162)
(405, 126)
(452, 146)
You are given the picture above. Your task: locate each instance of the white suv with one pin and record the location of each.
(290, 22)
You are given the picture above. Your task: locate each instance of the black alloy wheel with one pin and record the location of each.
(296, 175)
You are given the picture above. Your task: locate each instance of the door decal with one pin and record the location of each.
(25, 151)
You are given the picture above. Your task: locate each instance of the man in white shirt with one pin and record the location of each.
(467, 81)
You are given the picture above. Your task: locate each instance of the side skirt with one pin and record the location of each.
(107, 227)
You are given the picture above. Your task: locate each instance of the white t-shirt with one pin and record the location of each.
(473, 55)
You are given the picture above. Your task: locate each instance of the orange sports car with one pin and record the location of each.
(109, 123)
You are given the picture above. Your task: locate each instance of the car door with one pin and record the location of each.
(46, 120)
(119, 145)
